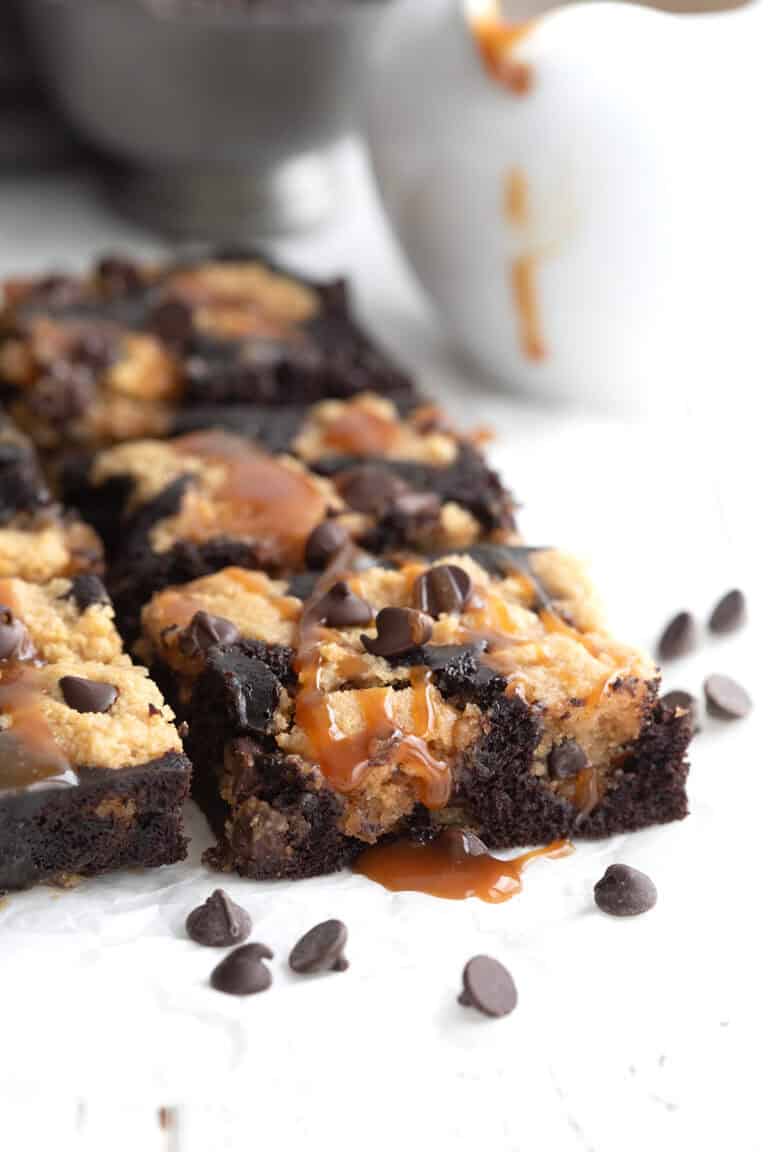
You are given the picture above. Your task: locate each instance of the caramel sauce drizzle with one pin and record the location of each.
(361, 432)
(29, 754)
(439, 869)
(259, 497)
(523, 269)
(496, 41)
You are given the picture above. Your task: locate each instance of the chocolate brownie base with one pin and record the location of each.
(111, 819)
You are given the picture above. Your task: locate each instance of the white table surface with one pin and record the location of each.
(628, 1035)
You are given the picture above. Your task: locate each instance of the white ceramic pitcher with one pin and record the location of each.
(584, 192)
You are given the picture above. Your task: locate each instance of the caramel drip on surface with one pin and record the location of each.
(259, 496)
(496, 41)
(439, 869)
(360, 432)
(29, 754)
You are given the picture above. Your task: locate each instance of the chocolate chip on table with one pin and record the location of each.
(87, 695)
(219, 922)
(726, 698)
(444, 589)
(625, 891)
(730, 612)
(321, 949)
(488, 987)
(15, 643)
(678, 638)
(206, 631)
(324, 542)
(399, 630)
(341, 608)
(677, 698)
(243, 972)
(567, 759)
(171, 321)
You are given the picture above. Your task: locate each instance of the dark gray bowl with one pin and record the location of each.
(214, 116)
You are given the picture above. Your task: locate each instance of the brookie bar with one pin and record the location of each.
(479, 690)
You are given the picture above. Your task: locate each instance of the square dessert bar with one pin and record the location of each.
(38, 539)
(171, 510)
(92, 773)
(111, 356)
(478, 689)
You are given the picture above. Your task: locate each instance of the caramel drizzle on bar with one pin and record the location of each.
(261, 497)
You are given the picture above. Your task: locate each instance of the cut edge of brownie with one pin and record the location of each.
(52, 833)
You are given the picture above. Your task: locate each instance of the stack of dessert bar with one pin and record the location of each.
(323, 577)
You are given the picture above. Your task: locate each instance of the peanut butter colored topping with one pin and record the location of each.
(254, 496)
(451, 869)
(240, 300)
(256, 605)
(369, 425)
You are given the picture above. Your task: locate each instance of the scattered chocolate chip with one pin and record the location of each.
(154, 710)
(567, 759)
(624, 891)
(677, 698)
(370, 489)
(15, 643)
(219, 923)
(460, 843)
(488, 987)
(171, 321)
(324, 542)
(399, 630)
(87, 695)
(243, 972)
(416, 507)
(321, 949)
(730, 612)
(726, 698)
(444, 589)
(206, 631)
(678, 638)
(341, 608)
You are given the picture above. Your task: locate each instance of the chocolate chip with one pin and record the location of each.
(171, 321)
(206, 631)
(153, 710)
(118, 276)
(677, 698)
(488, 987)
(88, 589)
(370, 489)
(243, 972)
(219, 923)
(324, 542)
(567, 759)
(444, 589)
(730, 612)
(321, 949)
(678, 638)
(624, 891)
(15, 643)
(399, 630)
(726, 698)
(87, 695)
(341, 608)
